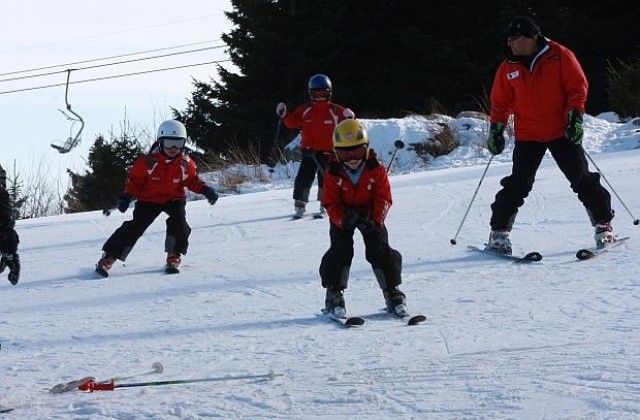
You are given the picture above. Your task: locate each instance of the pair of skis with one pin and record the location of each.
(356, 321)
(581, 255)
(169, 269)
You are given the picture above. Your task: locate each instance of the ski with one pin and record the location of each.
(403, 314)
(172, 269)
(5, 409)
(344, 320)
(588, 253)
(102, 271)
(533, 256)
(349, 322)
(313, 216)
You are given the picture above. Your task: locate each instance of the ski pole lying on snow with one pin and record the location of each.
(110, 386)
(69, 386)
(156, 367)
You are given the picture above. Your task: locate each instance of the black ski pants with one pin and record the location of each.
(177, 236)
(336, 262)
(312, 163)
(527, 156)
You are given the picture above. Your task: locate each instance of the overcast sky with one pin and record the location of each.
(38, 33)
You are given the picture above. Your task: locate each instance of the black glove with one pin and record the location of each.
(350, 220)
(210, 193)
(574, 131)
(367, 226)
(12, 261)
(495, 141)
(308, 152)
(9, 239)
(124, 200)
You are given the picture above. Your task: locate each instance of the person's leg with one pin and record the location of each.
(527, 156)
(304, 179)
(386, 263)
(335, 266)
(125, 237)
(573, 163)
(178, 230)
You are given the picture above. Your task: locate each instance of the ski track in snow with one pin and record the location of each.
(549, 340)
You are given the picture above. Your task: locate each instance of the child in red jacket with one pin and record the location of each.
(157, 181)
(317, 119)
(357, 195)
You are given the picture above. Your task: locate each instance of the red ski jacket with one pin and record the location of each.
(540, 96)
(371, 196)
(154, 178)
(317, 121)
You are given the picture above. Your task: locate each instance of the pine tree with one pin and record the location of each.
(108, 162)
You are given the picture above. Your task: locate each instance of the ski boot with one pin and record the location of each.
(334, 302)
(604, 234)
(104, 264)
(299, 207)
(499, 242)
(396, 302)
(173, 263)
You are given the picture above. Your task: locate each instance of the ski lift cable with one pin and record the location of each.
(106, 58)
(113, 76)
(115, 63)
(108, 34)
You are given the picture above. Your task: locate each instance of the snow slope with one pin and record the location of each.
(557, 339)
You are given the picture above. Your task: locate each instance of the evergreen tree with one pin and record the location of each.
(386, 58)
(108, 162)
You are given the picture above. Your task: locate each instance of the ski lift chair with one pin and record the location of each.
(73, 140)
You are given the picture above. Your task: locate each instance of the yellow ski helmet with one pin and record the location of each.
(350, 133)
(350, 141)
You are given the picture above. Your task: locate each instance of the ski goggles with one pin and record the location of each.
(173, 142)
(320, 93)
(352, 153)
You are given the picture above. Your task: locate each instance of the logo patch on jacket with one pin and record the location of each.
(513, 75)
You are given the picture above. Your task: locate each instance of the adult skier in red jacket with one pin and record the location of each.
(357, 195)
(317, 119)
(543, 86)
(157, 181)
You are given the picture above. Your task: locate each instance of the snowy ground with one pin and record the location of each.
(557, 339)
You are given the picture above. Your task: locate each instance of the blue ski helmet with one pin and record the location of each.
(320, 87)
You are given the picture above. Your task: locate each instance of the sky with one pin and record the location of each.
(557, 339)
(42, 34)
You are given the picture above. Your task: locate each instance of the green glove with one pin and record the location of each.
(574, 131)
(495, 141)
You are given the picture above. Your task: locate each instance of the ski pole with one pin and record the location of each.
(274, 144)
(93, 386)
(399, 144)
(453, 240)
(635, 221)
(82, 383)
(315, 160)
(156, 367)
